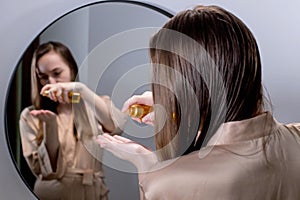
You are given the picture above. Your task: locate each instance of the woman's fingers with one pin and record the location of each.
(122, 139)
(102, 141)
(111, 138)
(51, 91)
(59, 95)
(149, 118)
(132, 100)
(110, 144)
(58, 91)
(67, 97)
(41, 112)
(44, 115)
(146, 98)
(143, 158)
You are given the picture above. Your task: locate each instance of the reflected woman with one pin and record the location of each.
(57, 135)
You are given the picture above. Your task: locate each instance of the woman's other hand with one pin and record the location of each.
(46, 116)
(142, 157)
(50, 131)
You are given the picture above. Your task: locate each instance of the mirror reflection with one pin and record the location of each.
(48, 145)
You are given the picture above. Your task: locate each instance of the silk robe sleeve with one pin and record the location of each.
(36, 155)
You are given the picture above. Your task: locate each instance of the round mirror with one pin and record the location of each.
(109, 42)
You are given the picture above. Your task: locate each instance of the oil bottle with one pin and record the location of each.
(139, 110)
(74, 97)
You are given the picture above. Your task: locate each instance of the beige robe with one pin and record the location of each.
(254, 159)
(78, 174)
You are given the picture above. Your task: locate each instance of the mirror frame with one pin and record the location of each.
(10, 89)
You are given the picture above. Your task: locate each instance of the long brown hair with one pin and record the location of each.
(206, 71)
(37, 100)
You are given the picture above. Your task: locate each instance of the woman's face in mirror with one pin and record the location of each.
(51, 68)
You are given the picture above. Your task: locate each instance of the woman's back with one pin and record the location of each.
(261, 163)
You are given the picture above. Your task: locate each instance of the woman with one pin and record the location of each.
(218, 141)
(57, 136)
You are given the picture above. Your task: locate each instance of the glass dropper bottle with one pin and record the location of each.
(139, 110)
(74, 97)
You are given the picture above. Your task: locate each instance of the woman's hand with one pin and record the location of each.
(126, 149)
(147, 99)
(50, 132)
(59, 92)
(46, 116)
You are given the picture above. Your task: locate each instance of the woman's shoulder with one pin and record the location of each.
(186, 173)
(26, 110)
(25, 113)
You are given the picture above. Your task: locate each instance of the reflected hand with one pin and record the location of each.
(59, 92)
(126, 149)
(44, 115)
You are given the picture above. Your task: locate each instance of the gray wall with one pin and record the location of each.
(274, 23)
(73, 31)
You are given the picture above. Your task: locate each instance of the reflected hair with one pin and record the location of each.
(219, 64)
